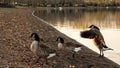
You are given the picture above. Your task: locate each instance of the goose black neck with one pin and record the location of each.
(61, 39)
(93, 26)
(35, 36)
(96, 27)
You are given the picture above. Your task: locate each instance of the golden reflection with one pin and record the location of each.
(80, 19)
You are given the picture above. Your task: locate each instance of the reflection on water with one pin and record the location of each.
(79, 19)
(72, 21)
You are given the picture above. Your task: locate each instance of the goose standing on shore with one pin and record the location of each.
(41, 50)
(69, 46)
(95, 34)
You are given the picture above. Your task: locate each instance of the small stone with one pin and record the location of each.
(72, 66)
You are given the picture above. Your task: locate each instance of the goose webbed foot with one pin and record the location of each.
(101, 56)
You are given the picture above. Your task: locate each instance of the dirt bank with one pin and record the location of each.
(16, 25)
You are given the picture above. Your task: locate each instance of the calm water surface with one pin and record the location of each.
(72, 21)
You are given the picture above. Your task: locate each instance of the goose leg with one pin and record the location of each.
(100, 53)
(45, 62)
(36, 60)
(73, 55)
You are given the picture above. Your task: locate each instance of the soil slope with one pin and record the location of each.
(16, 25)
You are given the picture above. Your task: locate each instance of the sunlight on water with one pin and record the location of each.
(72, 21)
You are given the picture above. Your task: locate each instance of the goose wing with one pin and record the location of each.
(73, 47)
(47, 49)
(88, 34)
(44, 46)
(96, 35)
(70, 44)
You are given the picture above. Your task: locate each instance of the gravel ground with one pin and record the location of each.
(16, 25)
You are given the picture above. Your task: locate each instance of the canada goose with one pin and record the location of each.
(95, 34)
(41, 50)
(69, 46)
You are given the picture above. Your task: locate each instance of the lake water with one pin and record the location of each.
(73, 20)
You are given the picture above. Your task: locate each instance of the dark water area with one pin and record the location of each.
(71, 21)
(82, 17)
